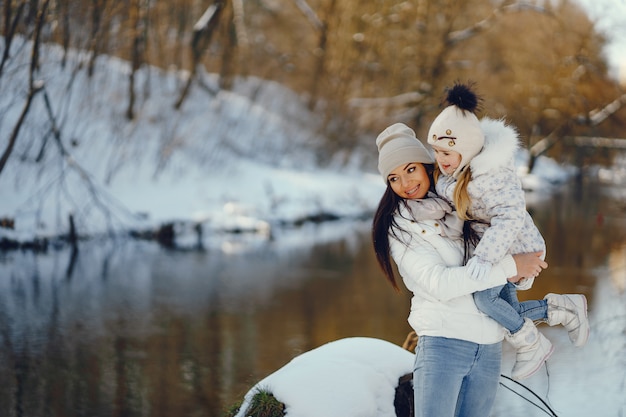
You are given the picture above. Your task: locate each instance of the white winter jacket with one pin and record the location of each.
(497, 201)
(442, 303)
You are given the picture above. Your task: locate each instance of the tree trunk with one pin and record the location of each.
(96, 24)
(227, 71)
(320, 64)
(34, 86)
(138, 26)
(10, 26)
(202, 31)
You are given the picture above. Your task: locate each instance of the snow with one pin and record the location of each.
(243, 160)
(584, 381)
(353, 376)
(200, 164)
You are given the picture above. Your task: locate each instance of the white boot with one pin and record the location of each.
(570, 310)
(533, 349)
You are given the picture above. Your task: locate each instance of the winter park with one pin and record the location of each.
(188, 188)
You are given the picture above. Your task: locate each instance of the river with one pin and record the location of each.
(133, 329)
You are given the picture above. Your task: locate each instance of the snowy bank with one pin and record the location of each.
(233, 160)
(240, 161)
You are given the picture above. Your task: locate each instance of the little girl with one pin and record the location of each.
(476, 174)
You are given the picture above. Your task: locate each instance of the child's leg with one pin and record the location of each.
(492, 304)
(532, 309)
(533, 349)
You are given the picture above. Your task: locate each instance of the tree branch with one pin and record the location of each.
(598, 116)
(467, 33)
(202, 32)
(33, 86)
(310, 14)
(401, 100)
(239, 21)
(101, 199)
(594, 118)
(10, 28)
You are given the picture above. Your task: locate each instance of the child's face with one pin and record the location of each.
(447, 160)
(410, 181)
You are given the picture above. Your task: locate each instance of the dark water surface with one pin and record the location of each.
(132, 329)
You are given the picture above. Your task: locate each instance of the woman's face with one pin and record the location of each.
(410, 181)
(447, 160)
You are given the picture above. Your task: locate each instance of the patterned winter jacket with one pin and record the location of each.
(497, 201)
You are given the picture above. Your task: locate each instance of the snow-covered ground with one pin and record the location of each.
(226, 160)
(241, 159)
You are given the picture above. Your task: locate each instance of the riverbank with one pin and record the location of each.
(246, 161)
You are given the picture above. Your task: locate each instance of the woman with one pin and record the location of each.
(457, 363)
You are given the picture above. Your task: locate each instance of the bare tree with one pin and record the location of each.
(97, 12)
(34, 85)
(12, 15)
(321, 28)
(62, 12)
(366, 63)
(138, 27)
(202, 32)
(229, 50)
(591, 119)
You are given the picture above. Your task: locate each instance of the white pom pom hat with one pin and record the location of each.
(457, 128)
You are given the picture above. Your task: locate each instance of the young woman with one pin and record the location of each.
(457, 363)
(476, 174)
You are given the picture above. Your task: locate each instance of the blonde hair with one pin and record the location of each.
(460, 198)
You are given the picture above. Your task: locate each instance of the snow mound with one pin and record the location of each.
(348, 377)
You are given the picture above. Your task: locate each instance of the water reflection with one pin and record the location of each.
(132, 329)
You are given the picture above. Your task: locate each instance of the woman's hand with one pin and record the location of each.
(528, 265)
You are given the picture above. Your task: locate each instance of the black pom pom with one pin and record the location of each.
(462, 96)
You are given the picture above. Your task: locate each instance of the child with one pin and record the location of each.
(476, 174)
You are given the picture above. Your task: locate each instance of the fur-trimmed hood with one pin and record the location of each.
(501, 144)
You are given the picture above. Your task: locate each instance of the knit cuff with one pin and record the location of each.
(508, 264)
(478, 269)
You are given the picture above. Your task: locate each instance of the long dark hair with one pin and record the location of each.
(470, 240)
(384, 224)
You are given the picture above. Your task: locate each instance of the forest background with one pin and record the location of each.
(358, 64)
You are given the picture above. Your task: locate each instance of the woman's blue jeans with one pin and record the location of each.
(455, 378)
(501, 304)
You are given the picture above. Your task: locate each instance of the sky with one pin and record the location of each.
(220, 161)
(610, 17)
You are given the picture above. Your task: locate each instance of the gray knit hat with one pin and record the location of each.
(398, 145)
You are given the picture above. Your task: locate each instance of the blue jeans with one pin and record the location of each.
(455, 378)
(501, 304)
